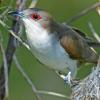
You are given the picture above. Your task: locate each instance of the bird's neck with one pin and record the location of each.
(58, 28)
(37, 36)
(36, 33)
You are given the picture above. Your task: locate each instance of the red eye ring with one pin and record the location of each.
(36, 16)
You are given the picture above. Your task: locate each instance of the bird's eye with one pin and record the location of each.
(35, 17)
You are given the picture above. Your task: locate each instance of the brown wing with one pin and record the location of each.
(89, 41)
(76, 46)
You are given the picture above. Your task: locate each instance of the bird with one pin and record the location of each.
(58, 46)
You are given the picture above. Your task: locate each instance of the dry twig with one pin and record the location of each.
(19, 67)
(13, 34)
(84, 12)
(96, 36)
(9, 54)
(30, 83)
(5, 68)
(89, 88)
(33, 3)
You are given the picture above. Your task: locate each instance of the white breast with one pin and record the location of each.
(47, 49)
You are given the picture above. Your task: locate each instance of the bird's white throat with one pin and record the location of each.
(47, 49)
(36, 33)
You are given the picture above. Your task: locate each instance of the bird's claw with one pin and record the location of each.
(67, 78)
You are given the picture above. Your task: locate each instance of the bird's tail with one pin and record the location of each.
(94, 44)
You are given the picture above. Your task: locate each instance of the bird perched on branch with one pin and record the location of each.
(58, 46)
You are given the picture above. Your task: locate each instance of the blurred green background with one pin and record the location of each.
(42, 77)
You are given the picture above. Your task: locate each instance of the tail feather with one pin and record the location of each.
(94, 44)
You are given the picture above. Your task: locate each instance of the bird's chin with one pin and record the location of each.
(28, 22)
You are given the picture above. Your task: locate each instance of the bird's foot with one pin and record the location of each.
(67, 78)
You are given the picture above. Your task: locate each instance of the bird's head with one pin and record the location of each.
(34, 17)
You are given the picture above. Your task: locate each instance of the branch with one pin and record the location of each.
(9, 53)
(5, 69)
(11, 47)
(96, 36)
(89, 88)
(14, 35)
(5, 12)
(33, 3)
(54, 94)
(26, 77)
(30, 83)
(19, 39)
(84, 12)
(98, 10)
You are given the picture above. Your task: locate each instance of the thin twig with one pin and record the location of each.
(3, 24)
(88, 88)
(13, 34)
(53, 94)
(5, 12)
(33, 3)
(19, 39)
(20, 4)
(11, 47)
(5, 69)
(9, 53)
(98, 9)
(84, 12)
(97, 37)
(26, 77)
(3, 7)
(37, 92)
